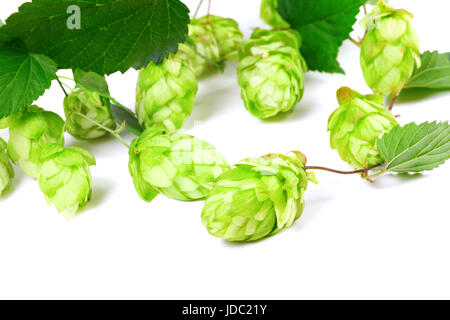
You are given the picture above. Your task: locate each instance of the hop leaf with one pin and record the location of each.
(114, 35)
(416, 148)
(24, 78)
(323, 25)
(434, 72)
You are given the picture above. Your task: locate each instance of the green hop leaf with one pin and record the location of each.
(416, 148)
(24, 78)
(257, 198)
(124, 115)
(29, 132)
(434, 72)
(92, 81)
(271, 72)
(269, 13)
(177, 165)
(165, 94)
(85, 110)
(372, 2)
(113, 35)
(227, 34)
(65, 178)
(6, 169)
(356, 126)
(390, 50)
(323, 25)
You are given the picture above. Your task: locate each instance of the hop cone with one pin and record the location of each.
(6, 169)
(271, 72)
(90, 105)
(65, 178)
(29, 132)
(201, 48)
(257, 198)
(269, 13)
(178, 165)
(356, 126)
(165, 94)
(390, 50)
(227, 34)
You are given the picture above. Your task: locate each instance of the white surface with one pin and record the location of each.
(355, 240)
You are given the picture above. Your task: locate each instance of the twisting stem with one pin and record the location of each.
(112, 132)
(198, 9)
(358, 43)
(209, 11)
(393, 101)
(345, 172)
(61, 85)
(67, 78)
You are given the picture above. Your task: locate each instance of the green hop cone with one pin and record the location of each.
(269, 13)
(65, 178)
(29, 132)
(257, 198)
(227, 34)
(6, 169)
(176, 165)
(80, 106)
(271, 72)
(390, 50)
(201, 49)
(165, 94)
(356, 126)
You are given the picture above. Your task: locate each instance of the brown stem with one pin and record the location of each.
(198, 9)
(365, 9)
(344, 172)
(355, 42)
(209, 11)
(393, 101)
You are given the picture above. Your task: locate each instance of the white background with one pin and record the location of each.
(355, 240)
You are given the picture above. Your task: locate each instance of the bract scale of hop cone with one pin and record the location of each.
(65, 178)
(390, 50)
(80, 106)
(6, 169)
(356, 126)
(177, 165)
(29, 132)
(227, 34)
(257, 198)
(269, 13)
(165, 93)
(271, 72)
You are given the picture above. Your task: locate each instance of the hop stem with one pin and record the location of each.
(62, 86)
(209, 11)
(115, 133)
(198, 9)
(393, 101)
(345, 172)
